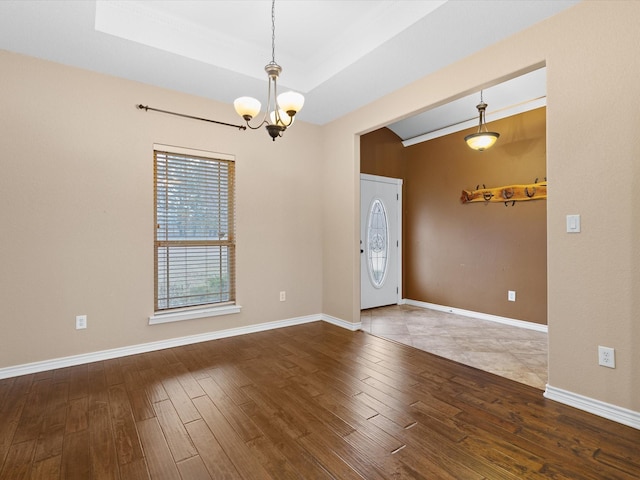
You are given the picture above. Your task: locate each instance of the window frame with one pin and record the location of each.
(164, 314)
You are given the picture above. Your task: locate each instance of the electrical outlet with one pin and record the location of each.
(81, 322)
(283, 296)
(511, 295)
(606, 357)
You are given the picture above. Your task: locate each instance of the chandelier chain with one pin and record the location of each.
(273, 31)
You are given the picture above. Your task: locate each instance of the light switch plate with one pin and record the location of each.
(573, 223)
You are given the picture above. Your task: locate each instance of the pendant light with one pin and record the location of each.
(282, 108)
(482, 139)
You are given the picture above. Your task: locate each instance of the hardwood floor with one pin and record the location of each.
(308, 402)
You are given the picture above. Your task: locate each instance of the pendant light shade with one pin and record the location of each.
(481, 140)
(247, 107)
(290, 102)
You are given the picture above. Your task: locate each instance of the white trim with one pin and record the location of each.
(83, 358)
(591, 405)
(341, 323)
(400, 241)
(173, 316)
(380, 179)
(482, 316)
(194, 152)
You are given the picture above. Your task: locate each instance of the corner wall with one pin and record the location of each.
(593, 114)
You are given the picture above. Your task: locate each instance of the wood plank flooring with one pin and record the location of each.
(308, 402)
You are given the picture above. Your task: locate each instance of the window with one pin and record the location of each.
(377, 243)
(195, 239)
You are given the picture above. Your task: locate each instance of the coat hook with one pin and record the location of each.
(526, 191)
(507, 193)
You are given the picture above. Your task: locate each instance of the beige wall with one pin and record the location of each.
(593, 115)
(469, 255)
(77, 211)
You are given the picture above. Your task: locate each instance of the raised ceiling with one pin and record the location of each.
(237, 35)
(340, 54)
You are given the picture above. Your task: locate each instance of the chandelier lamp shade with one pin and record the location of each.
(483, 139)
(282, 108)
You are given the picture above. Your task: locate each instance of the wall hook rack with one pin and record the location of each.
(508, 194)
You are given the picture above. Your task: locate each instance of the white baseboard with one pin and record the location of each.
(602, 409)
(341, 323)
(482, 316)
(72, 360)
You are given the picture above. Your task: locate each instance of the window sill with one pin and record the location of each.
(168, 317)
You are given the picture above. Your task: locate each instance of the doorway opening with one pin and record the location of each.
(465, 258)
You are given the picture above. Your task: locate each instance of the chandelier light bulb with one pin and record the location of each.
(284, 119)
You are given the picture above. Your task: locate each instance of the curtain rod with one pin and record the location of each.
(147, 108)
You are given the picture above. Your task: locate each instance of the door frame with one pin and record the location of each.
(398, 182)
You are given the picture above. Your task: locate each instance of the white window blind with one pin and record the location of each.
(195, 238)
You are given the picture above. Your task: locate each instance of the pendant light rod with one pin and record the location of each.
(147, 108)
(482, 107)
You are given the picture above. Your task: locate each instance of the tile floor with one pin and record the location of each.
(512, 352)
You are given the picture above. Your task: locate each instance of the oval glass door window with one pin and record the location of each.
(377, 243)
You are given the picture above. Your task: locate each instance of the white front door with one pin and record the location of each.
(380, 232)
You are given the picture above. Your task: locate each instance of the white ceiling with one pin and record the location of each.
(341, 54)
(236, 35)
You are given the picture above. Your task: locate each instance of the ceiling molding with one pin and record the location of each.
(473, 122)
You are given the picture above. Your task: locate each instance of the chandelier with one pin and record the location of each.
(280, 108)
(482, 139)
